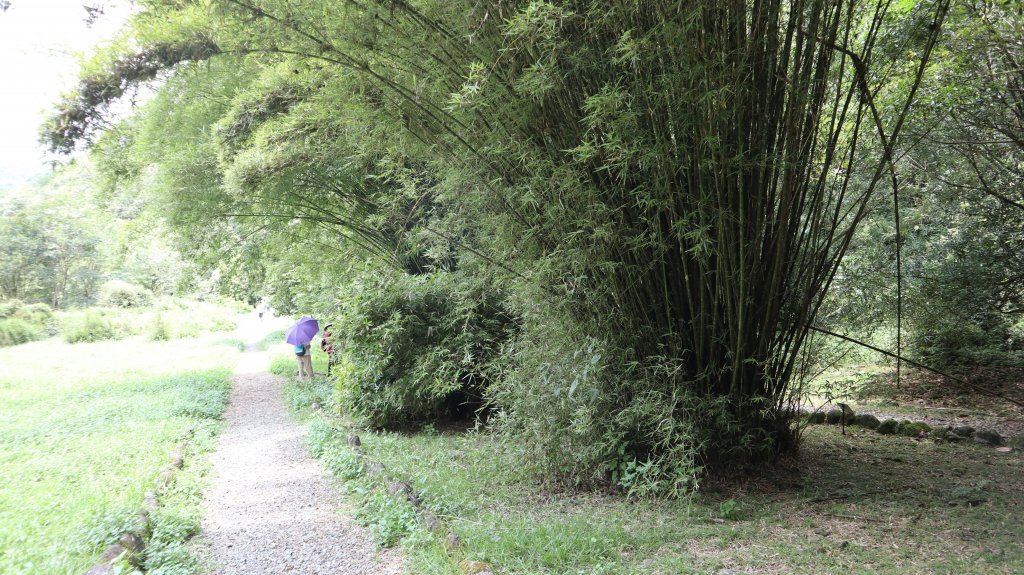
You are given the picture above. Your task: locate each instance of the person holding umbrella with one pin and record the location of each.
(299, 335)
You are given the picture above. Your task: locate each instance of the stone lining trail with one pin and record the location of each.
(270, 508)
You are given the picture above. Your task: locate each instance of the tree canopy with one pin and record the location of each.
(623, 220)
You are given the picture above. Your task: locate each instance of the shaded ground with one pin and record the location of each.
(860, 503)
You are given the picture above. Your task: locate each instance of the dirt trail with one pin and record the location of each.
(270, 508)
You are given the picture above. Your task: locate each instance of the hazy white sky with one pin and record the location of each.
(41, 42)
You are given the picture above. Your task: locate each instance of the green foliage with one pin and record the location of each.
(10, 307)
(159, 331)
(730, 509)
(522, 527)
(16, 332)
(416, 347)
(84, 439)
(36, 313)
(88, 327)
(389, 518)
(675, 183)
(117, 293)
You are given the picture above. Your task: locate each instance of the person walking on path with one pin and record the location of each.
(300, 335)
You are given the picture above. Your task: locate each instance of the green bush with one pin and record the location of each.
(89, 327)
(10, 307)
(577, 411)
(159, 331)
(117, 293)
(417, 347)
(36, 313)
(15, 332)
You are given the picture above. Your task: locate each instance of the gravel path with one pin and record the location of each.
(270, 508)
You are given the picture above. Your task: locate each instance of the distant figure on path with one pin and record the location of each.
(299, 335)
(305, 358)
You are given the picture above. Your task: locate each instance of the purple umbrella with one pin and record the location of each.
(302, 332)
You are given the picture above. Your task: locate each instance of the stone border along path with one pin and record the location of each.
(270, 508)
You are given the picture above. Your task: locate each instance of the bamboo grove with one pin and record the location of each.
(663, 190)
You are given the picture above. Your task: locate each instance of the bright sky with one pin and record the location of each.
(41, 42)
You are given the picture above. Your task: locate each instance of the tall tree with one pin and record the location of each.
(676, 182)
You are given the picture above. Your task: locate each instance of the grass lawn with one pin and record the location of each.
(860, 503)
(85, 429)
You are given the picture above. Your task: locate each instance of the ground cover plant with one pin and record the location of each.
(859, 503)
(84, 431)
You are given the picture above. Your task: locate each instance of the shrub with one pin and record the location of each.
(417, 347)
(579, 412)
(15, 332)
(159, 330)
(89, 327)
(36, 313)
(9, 307)
(117, 293)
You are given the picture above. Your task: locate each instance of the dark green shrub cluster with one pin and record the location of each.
(9, 307)
(416, 347)
(36, 313)
(117, 293)
(21, 323)
(15, 332)
(90, 327)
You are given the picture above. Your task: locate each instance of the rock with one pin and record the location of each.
(913, 428)
(988, 437)
(375, 468)
(848, 413)
(176, 460)
(955, 438)
(1016, 442)
(452, 542)
(834, 416)
(475, 568)
(816, 417)
(101, 569)
(403, 490)
(316, 406)
(887, 427)
(112, 553)
(142, 524)
(867, 420)
(353, 440)
(149, 501)
(132, 542)
(964, 431)
(166, 477)
(432, 522)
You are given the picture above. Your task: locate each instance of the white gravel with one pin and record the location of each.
(270, 508)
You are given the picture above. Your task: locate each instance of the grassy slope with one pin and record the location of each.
(84, 431)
